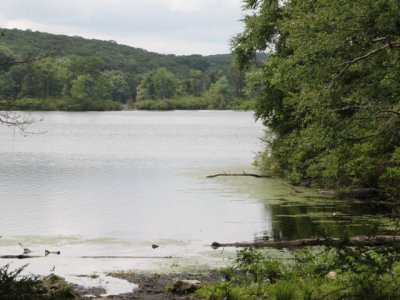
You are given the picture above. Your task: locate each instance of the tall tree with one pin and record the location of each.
(9, 118)
(330, 91)
(158, 84)
(112, 85)
(194, 84)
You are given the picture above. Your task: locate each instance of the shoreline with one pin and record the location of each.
(150, 284)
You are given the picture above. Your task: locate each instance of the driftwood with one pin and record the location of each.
(239, 174)
(24, 256)
(132, 257)
(293, 244)
(21, 256)
(251, 175)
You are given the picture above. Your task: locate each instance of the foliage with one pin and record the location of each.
(14, 286)
(329, 92)
(339, 273)
(158, 84)
(72, 69)
(51, 104)
(195, 103)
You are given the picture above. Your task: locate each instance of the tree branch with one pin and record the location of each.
(349, 63)
(239, 174)
(15, 120)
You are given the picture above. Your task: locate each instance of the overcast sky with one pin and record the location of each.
(163, 26)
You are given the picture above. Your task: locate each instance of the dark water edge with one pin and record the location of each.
(313, 213)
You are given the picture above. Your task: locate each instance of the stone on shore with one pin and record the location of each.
(185, 286)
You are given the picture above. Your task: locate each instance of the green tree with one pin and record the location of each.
(72, 66)
(329, 92)
(9, 118)
(41, 80)
(158, 84)
(193, 85)
(237, 75)
(84, 88)
(220, 88)
(112, 85)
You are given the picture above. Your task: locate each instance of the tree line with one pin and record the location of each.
(72, 73)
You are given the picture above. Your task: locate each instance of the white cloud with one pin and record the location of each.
(167, 26)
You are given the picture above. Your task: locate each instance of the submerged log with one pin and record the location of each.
(131, 257)
(239, 174)
(293, 244)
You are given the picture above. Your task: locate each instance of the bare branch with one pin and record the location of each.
(380, 39)
(239, 174)
(16, 121)
(390, 111)
(347, 64)
(371, 106)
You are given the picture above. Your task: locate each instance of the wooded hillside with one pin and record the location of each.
(73, 73)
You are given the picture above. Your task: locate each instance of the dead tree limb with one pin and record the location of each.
(239, 174)
(21, 256)
(131, 257)
(294, 244)
(24, 256)
(252, 175)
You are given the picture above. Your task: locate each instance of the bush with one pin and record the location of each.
(53, 104)
(195, 103)
(338, 273)
(14, 286)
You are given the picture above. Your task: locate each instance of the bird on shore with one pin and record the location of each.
(53, 269)
(26, 250)
(154, 246)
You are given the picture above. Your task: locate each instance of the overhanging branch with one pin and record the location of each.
(349, 63)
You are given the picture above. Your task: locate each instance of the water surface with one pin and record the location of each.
(114, 183)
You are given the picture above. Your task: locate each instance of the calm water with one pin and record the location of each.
(113, 183)
(132, 175)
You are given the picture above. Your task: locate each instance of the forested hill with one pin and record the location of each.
(72, 73)
(112, 54)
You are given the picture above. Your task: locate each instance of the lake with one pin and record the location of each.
(113, 183)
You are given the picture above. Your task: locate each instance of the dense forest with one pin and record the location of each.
(44, 71)
(329, 92)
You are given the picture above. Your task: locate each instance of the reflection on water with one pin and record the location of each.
(309, 214)
(332, 219)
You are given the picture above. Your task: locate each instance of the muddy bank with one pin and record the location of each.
(153, 285)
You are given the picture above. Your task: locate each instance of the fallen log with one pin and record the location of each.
(385, 240)
(239, 174)
(130, 257)
(21, 256)
(252, 175)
